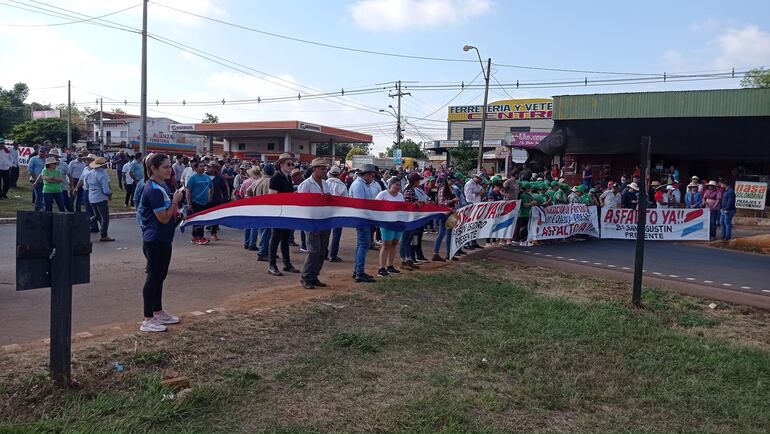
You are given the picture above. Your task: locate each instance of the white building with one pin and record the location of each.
(122, 130)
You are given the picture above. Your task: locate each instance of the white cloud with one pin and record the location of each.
(378, 15)
(746, 47)
(673, 58)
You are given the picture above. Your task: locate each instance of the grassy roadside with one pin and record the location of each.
(20, 198)
(454, 350)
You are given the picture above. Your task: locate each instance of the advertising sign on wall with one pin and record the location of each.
(662, 224)
(750, 195)
(527, 140)
(532, 108)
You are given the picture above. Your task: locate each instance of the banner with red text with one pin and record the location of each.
(562, 221)
(662, 224)
(484, 220)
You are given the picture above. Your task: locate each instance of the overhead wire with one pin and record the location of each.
(71, 22)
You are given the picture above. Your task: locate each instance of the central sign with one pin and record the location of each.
(309, 127)
(181, 127)
(531, 108)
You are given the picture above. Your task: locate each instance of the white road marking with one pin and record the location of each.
(766, 290)
(672, 275)
(625, 268)
(538, 253)
(745, 287)
(690, 278)
(597, 263)
(611, 266)
(727, 284)
(708, 281)
(583, 262)
(560, 257)
(656, 273)
(572, 259)
(550, 256)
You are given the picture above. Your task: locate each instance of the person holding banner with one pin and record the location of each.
(712, 199)
(390, 237)
(447, 198)
(527, 202)
(727, 209)
(693, 198)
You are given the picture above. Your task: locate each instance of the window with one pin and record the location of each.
(472, 134)
(241, 146)
(301, 147)
(123, 134)
(271, 146)
(519, 129)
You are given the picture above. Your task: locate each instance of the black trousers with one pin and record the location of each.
(279, 237)
(130, 189)
(158, 254)
(102, 215)
(5, 182)
(198, 231)
(14, 176)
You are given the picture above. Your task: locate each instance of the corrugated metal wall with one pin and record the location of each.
(677, 104)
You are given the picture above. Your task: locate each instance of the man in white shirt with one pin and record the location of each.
(5, 169)
(317, 241)
(473, 188)
(186, 173)
(179, 167)
(611, 196)
(128, 181)
(336, 188)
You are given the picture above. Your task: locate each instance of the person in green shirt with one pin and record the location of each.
(527, 202)
(583, 197)
(52, 177)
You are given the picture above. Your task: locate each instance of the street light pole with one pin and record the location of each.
(487, 74)
(143, 109)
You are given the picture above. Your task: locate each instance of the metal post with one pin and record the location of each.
(398, 117)
(61, 298)
(484, 112)
(641, 224)
(69, 115)
(101, 124)
(143, 114)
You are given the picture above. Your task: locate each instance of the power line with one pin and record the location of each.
(70, 22)
(52, 13)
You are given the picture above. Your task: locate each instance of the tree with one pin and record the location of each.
(210, 119)
(340, 149)
(462, 156)
(756, 78)
(356, 150)
(408, 149)
(13, 111)
(37, 131)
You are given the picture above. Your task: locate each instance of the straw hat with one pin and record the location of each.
(254, 172)
(712, 183)
(319, 162)
(89, 156)
(693, 184)
(55, 152)
(654, 183)
(99, 162)
(283, 157)
(296, 172)
(633, 186)
(51, 160)
(367, 168)
(335, 170)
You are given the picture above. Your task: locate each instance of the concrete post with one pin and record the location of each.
(287, 143)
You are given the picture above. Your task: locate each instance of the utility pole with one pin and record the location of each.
(398, 94)
(69, 115)
(641, 220)
(143, 114)
(101, 124)
(484, 112)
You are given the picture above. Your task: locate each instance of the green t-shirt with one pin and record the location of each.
(48, 186)
(540, 199)
(586, 199)
(525, 198)
(558, 197)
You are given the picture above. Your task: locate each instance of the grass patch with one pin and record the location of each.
(455, 351)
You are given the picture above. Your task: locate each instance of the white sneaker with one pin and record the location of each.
(152, 325)
(162, 317)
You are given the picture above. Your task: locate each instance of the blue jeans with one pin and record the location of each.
(442, 232)
(50, 198)
(362, 248)
(334, 250)
(714, 218)
(250, 237)
(37, 195)
(726, 221)
(264, 241)
(405, 248)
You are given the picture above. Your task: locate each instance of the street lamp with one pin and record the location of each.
(486, 73)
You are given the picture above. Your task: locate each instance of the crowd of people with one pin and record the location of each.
(163, 191)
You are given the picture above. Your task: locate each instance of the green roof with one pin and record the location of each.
(676, 104)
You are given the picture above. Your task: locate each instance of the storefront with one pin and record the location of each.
(705, 133)
(506, 120)
(265, 141)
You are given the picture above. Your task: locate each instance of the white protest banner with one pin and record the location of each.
(562, 221)
(750, 195)
(662, 224)
(24, 155)
(484, 220)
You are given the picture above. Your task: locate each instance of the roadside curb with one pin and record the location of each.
(117, 215)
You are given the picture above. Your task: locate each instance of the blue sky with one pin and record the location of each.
(639, 37)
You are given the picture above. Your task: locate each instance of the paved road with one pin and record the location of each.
(684, 262)
(203, 277)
